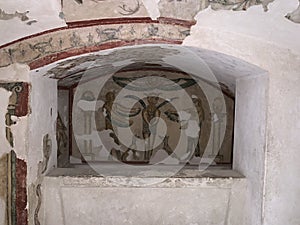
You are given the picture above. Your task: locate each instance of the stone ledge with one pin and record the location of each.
(185, 178)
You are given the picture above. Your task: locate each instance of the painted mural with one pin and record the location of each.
(104, 121)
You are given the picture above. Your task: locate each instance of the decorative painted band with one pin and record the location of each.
(73, 52)
(90, 36)
(87, 23)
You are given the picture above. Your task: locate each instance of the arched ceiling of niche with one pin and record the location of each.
(208, 66)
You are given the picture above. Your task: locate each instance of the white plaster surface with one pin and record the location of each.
(20, 134)
(4, 95)
(14, 72)
(295, 15)
(271, 42)
(270, 26)
(152, 8)
(46, 13)
(43, 101)
(71, 200)
(42, 121)
(250, 140)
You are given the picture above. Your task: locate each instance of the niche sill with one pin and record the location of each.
(188, 176)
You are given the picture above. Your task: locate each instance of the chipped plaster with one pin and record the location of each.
(15, 73)
(295, 15)
(271, 27)
(152, 8)
(45, 13)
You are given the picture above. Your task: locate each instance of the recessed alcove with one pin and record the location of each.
(142, 84)
(244, 87)
(204, 75)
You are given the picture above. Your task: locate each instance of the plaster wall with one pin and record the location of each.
(42, 16)
(29, 130)
(273, 45)
(4, 95)
(249, 140)
(250, 83)
(267, 40)
(3, 109)
(15, 73)
(42, 122)
(12, 73)
(43, 102)
(120, 200)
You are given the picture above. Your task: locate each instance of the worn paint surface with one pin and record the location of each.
(21, 192)
(77, 39)
(4, 185)
(17, 106)
(13, 189)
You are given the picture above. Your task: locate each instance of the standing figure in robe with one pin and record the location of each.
(150, 116)
(107, 109)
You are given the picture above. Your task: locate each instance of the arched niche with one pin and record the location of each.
(244, 83)
(211, 70)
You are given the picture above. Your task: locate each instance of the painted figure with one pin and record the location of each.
(191, 123)
(132, 148)
(62, 142)
(107, 109)
(150, 116)
(198, 104)
(217, 119)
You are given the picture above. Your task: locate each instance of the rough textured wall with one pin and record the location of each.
(273, 45)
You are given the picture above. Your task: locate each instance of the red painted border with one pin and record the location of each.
(88, 23)
(78, 51)
(23, 98)
(161, 20)
(21, 192)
